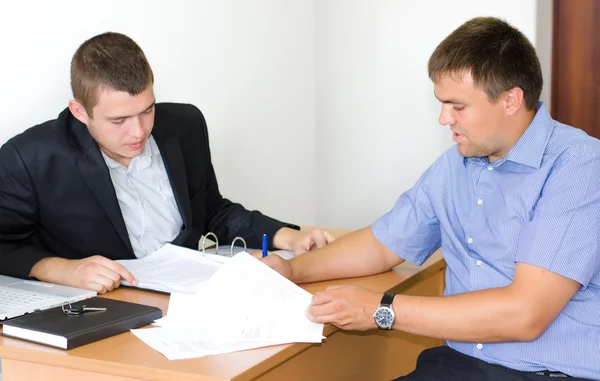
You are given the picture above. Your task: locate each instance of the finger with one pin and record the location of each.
(335, 287)
(331, 308)
(304, 245)
(92, 286)
(99, 283)
(100, 289)
(321, 298)
(328, 236)
(326, 313)
(106, 272)
(324, 319)
(318, 239)
(104, 275)
(121, 270)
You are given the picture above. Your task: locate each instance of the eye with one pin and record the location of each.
(457, 108)
(149, 110)
(118, 122)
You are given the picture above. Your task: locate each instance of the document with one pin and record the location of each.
(186, 349)
(255, 320)
(245, 304)
(173, 269)
(258, 281)
(179, 269)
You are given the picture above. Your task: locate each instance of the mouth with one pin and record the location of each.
(457, 137)
(135, 145)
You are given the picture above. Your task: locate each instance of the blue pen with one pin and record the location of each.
(265, 246)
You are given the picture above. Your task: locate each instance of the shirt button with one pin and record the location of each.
(490, 168)
(479, 263)
(470, 240)
(479, 346)
(480, 202)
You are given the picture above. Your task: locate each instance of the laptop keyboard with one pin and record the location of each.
(17, 299)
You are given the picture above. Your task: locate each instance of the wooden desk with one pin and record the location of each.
(342, 356)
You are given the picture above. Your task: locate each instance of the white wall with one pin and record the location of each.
(319, 111)
(377, 128)
(248, 65)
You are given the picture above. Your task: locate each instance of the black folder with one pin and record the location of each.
(55, 328)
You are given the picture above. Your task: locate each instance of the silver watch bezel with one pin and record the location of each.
(388, 308)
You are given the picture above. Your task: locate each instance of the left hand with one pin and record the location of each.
(315, 239)
(346, 307)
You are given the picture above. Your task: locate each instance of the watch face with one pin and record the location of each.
(384, 317)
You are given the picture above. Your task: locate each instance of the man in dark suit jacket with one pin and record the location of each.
(61, 219)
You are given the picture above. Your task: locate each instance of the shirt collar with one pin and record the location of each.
(531, 146)
(139, 162)
(529, 149)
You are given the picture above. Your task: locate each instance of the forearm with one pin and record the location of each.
(49, 270)
(356, 254)
(311, 236)
(493, 315)
(336, 232)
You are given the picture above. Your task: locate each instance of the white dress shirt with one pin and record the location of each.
(146, 200)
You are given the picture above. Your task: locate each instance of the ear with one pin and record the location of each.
(513, 100)
(79, 112)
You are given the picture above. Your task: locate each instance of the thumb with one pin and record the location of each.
(304, 245)
(328, 236)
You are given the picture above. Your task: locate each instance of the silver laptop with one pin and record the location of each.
(20, 296)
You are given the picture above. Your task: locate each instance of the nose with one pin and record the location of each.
(446, 115)
(135, 128)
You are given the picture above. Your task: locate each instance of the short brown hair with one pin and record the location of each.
(497, 55)
(108, 60)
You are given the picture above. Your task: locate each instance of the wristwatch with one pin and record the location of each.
(384, 314)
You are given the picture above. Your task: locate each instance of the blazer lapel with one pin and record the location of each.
(172, 156)
(95, 173)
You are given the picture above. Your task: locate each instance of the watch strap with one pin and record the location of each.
(387, 299)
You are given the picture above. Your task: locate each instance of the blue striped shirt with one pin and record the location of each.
(539, 205)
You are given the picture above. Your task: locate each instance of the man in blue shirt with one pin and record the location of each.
(515, 207)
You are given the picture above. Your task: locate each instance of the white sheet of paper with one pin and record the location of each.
(240, 321)
(179, 350)
(244, 305)
(173, 269)
(257, 281)
(245, 300)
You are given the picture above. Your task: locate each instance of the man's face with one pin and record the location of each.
(477, 124)
(122, 123)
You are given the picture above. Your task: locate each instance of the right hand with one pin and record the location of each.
(274, 261)
(95, 273)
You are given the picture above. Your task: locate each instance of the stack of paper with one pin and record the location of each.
(244, 305)
(173, 269)
(178, 269)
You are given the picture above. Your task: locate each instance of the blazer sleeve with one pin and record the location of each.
(19, 217)
(228, 219)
